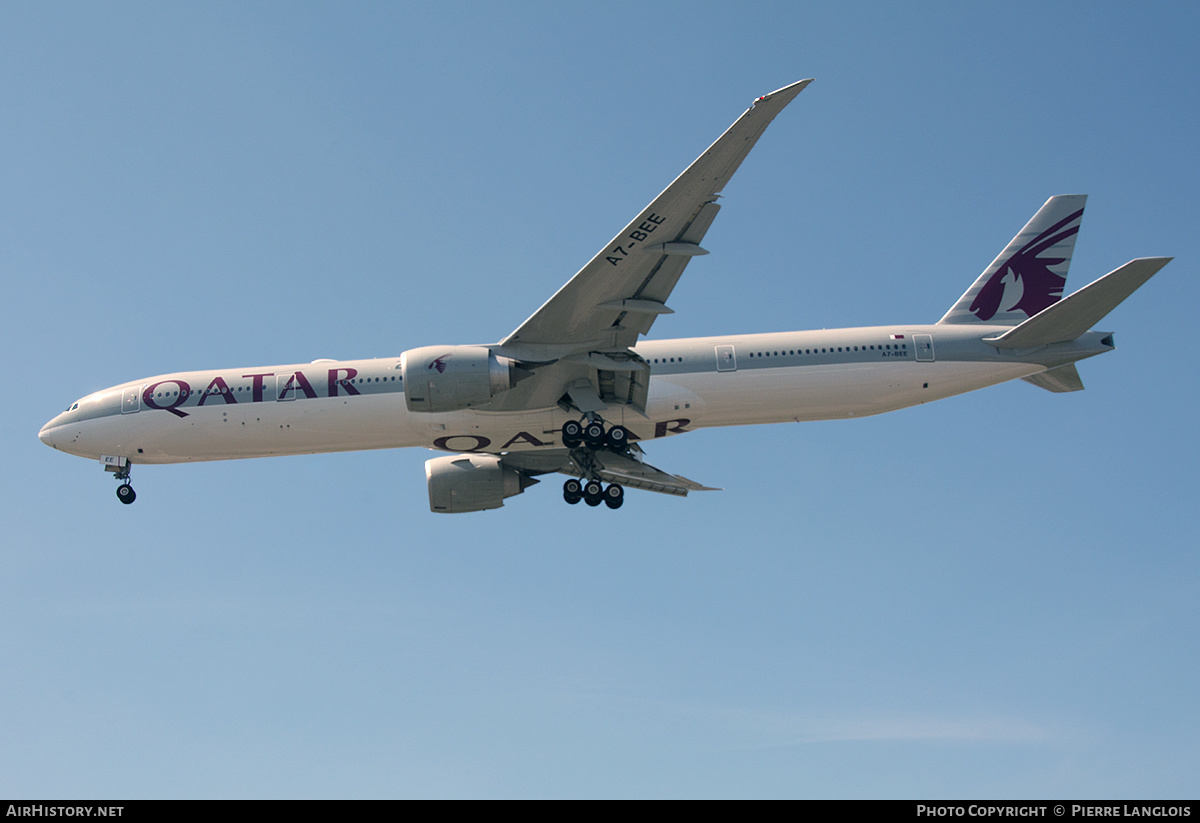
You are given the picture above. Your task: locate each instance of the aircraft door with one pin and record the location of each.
(924, 346)
(726, 358)
(285, 387)
(131, 400)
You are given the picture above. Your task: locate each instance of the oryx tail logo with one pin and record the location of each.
(439, 363)
(1025, 282)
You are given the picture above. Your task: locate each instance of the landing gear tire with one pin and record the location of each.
(618, 438)
(614, 496)
(572, 491)
(572, 434)
(125, 493)
(593, 435)
(593, 492)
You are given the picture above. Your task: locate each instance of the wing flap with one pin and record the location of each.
(626, 471)
(621, 469)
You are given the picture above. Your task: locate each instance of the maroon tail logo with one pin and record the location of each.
(439, 363)
(1038, 286)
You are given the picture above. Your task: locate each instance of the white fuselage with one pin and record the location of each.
(329, 406)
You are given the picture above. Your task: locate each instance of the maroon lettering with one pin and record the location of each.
(257, 385)
(336, 378)
(297, 383)
(443, 443)
(665, 427)
(150, 402)
(219, 387)
(523, 436)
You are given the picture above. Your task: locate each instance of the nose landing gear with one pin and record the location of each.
(125, 492)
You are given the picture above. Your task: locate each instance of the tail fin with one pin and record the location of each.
(1030, 273)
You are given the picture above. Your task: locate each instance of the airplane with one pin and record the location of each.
(574, 390)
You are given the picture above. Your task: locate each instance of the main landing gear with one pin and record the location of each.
(593, 435)
(584, 439)
(593, 493)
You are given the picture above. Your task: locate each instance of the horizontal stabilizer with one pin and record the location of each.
(1060, 379)
(1072, 316)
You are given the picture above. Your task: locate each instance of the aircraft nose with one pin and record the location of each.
(46, 435)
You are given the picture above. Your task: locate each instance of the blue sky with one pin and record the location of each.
(990, 596)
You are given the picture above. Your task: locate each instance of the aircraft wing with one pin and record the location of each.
(617, 295)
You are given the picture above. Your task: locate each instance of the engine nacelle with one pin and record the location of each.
(471, 483)
(449, 378)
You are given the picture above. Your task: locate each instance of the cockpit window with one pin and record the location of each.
(73, 407)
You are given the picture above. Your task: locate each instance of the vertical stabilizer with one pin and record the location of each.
(1030, 273)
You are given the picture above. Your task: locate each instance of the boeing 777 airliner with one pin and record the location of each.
(573, 391)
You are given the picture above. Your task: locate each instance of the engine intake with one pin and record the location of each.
(471, 483)
(449, 378)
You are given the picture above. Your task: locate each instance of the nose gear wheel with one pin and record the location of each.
(125, 492)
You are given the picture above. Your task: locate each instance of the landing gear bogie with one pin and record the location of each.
(594, 434)
(593, 492)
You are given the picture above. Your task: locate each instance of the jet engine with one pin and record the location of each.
(471, 483)
(449, 378)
